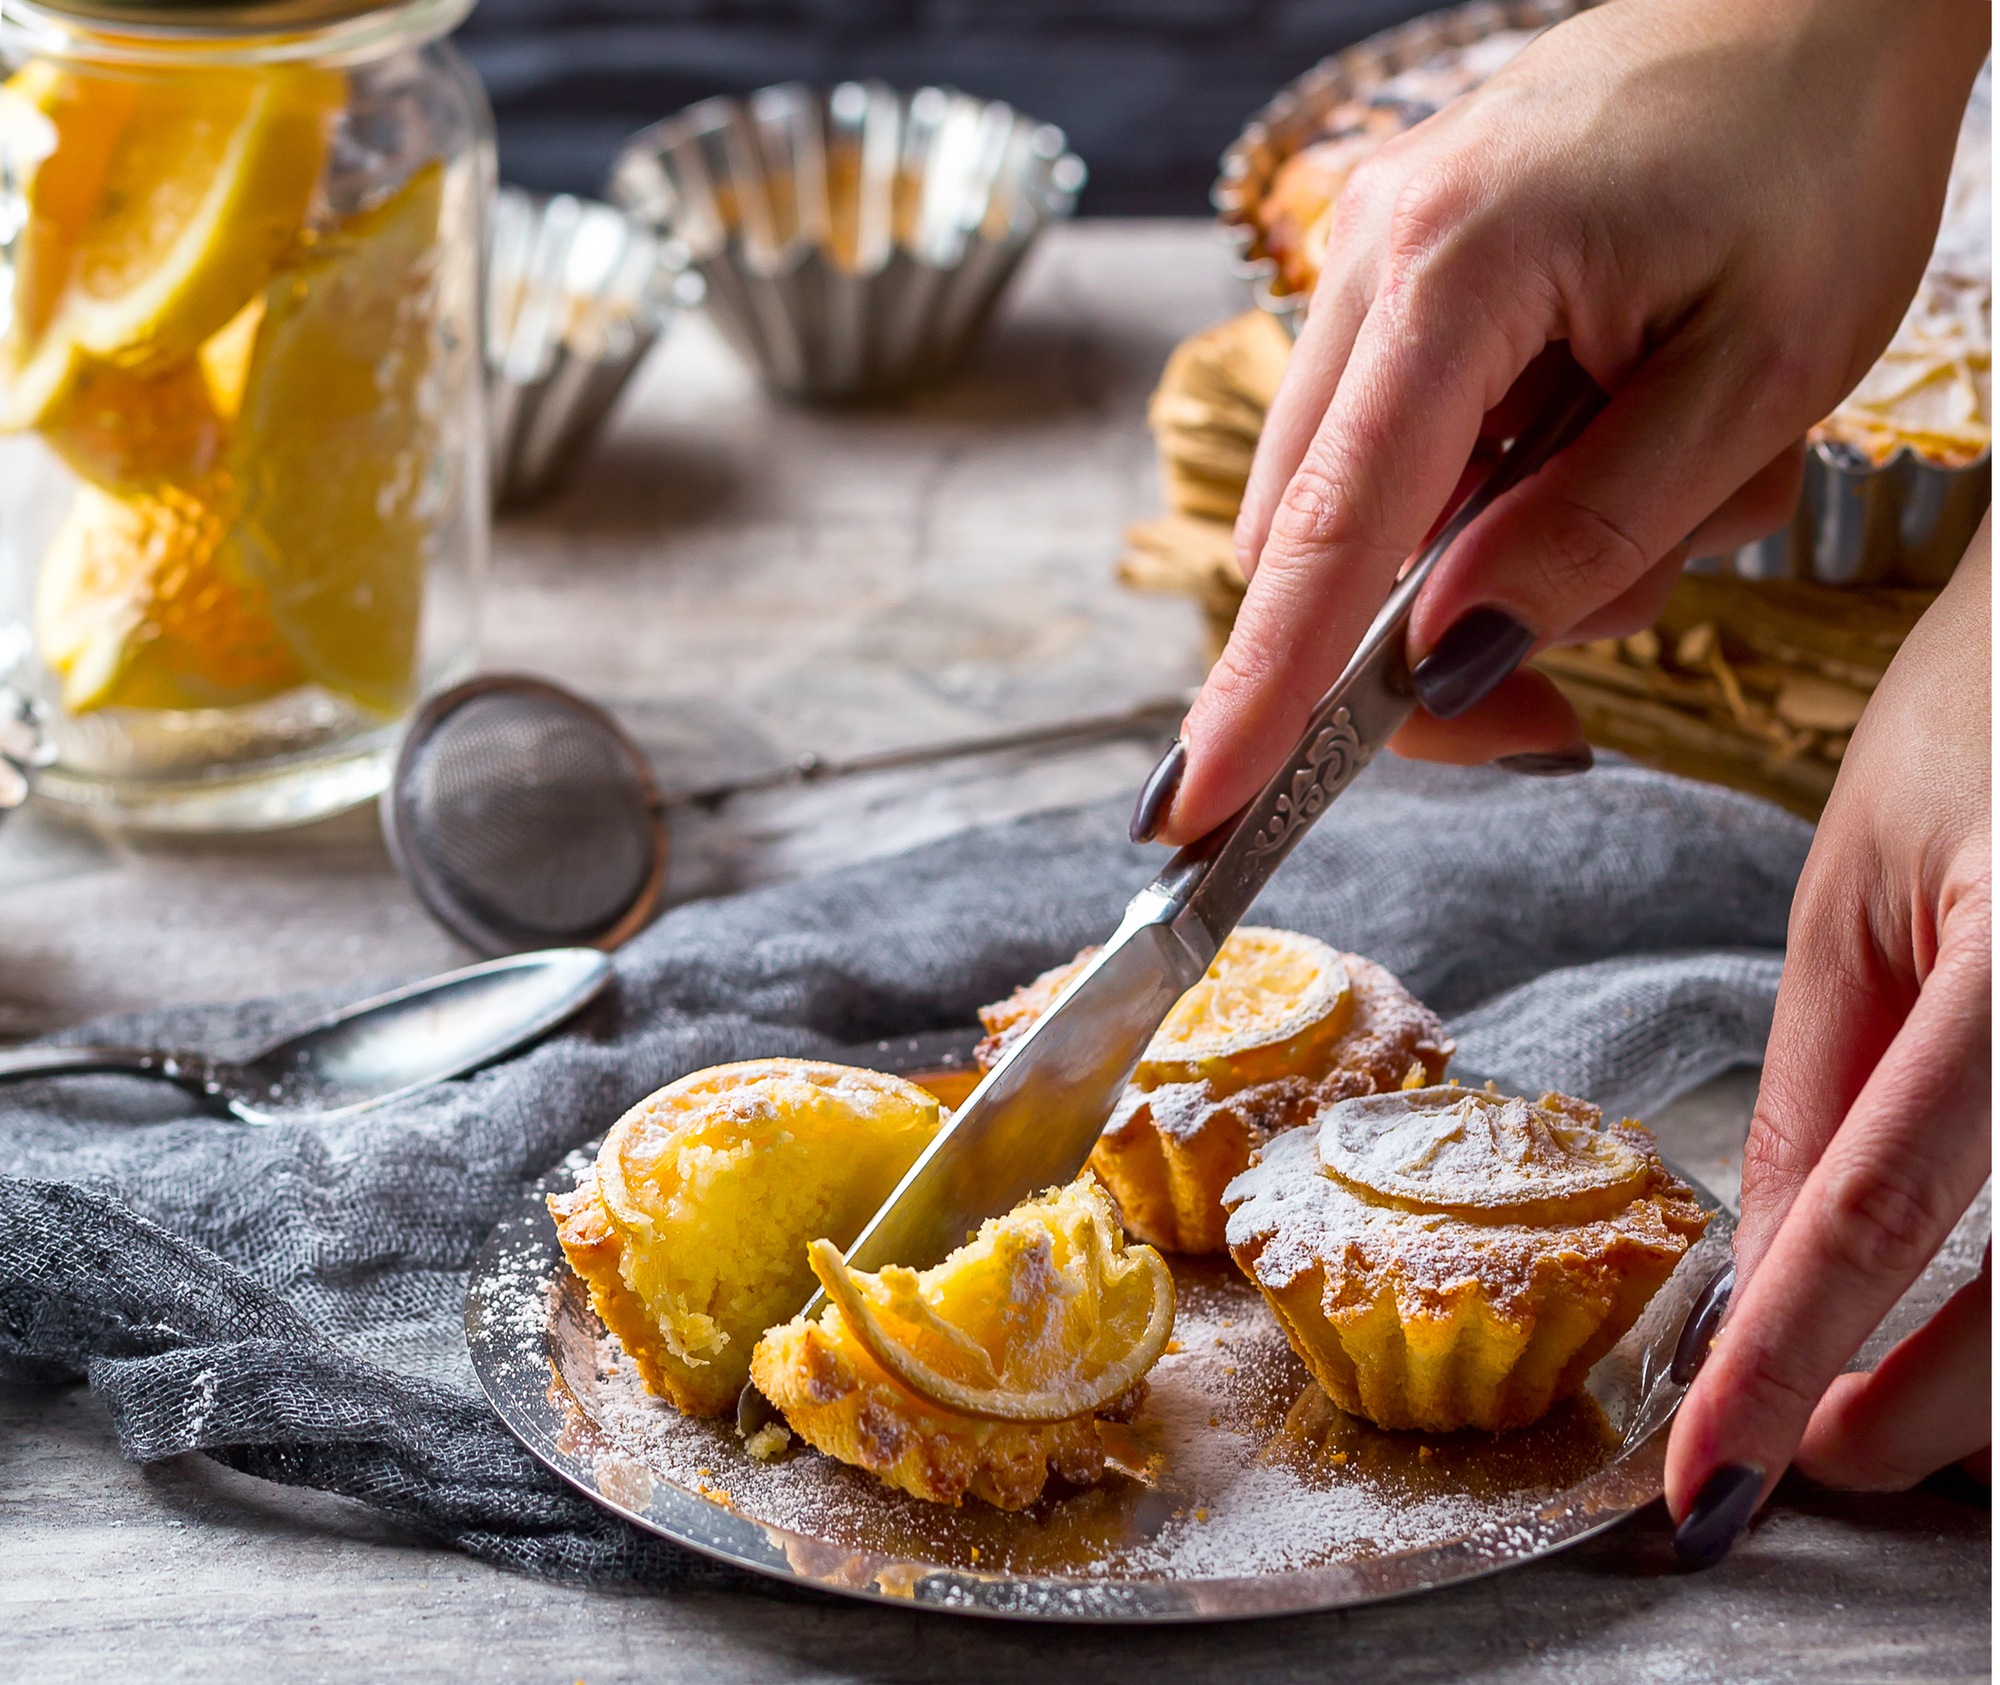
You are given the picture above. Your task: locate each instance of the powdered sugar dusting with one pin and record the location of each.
(1236, 1465)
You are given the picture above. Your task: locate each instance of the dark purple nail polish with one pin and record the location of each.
(1161, 783)
(1704, 1318)
(1481, 649)
(1720, 1512)
(1551, 763)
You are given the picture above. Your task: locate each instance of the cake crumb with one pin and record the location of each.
(768, 1443)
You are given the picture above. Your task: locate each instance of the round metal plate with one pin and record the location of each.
(1347, 1514)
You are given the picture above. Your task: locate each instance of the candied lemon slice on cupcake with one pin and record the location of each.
(691, 1228)
(1268, 1003)
(987, 1372)
(1281, 1024)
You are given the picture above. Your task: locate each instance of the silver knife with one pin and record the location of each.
(1033, 1121)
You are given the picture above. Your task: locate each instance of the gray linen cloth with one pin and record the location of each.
(288, 1299)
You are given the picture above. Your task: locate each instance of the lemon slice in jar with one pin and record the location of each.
(1044, 1315)
(57, 133)
(137, 605)
(337, 438)
(1271, 1000)
(128, 430)
(205, 190)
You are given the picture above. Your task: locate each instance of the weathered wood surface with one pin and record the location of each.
(744, 584)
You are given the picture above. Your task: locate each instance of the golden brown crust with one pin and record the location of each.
(1167, 1154)
(1299, 203)
(1006, 1021)
(843, 1403)
(1420, 1319)
(595, 1249)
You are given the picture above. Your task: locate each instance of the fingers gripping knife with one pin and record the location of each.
(1035, 1118)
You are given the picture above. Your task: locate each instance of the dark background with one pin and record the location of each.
(1150, 91)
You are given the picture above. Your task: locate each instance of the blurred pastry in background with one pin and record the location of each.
(1296, 212)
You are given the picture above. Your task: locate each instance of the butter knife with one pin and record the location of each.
(1033, 1121)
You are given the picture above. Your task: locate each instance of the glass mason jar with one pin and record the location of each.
(243, 499)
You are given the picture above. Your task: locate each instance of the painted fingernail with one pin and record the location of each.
(1549, 763)
(1718, 1515)
(1480, 650)
(1704, 1318)
(1161, 783)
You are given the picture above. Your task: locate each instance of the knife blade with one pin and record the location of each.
(1034, 1119)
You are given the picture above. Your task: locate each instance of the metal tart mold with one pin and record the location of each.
(576, 294)
(854, 241)
(1904, 522)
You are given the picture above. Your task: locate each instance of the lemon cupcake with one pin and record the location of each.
(1449, 1258)
(989, 1373)
(692, 1227)
(1280, 1026)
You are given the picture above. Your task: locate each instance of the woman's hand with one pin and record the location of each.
(1722, 207)
(1872, 1132)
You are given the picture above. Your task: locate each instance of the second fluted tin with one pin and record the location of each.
(854, 242)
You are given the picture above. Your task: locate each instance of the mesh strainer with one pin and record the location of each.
(524, 817)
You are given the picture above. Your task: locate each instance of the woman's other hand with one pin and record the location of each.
(1872, 1132)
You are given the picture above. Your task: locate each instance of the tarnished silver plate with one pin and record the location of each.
(1238, 1490)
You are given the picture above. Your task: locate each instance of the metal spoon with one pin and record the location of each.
(368, 1055)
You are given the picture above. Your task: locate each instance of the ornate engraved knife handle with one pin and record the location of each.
(1213, 882)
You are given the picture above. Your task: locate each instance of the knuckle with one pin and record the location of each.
(1773, 1155)
(1431, 202)
(1766, 1385)
(1311, 505)
(1883, 1221)
(1786, 378)
(1319, 512)
(1583, 555)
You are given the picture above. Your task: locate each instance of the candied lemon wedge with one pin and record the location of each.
(337, 443)
(138, 605)
(1268, 1003)
(692, 1227)
(205, 188)
(1043, 1316)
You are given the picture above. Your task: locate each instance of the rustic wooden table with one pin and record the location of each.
(744, 583)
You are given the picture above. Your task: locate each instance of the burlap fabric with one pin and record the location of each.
(288, 1299)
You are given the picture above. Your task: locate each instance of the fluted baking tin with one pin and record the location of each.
(576, 294)
(853, 242)
(1902, 522)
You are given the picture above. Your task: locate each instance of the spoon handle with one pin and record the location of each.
(185, 1069)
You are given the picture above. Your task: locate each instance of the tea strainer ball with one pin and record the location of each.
(523, 816)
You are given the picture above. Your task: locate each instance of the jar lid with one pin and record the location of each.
(205, 17)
